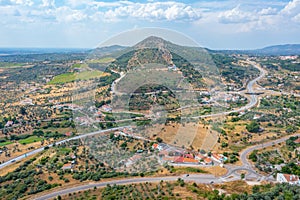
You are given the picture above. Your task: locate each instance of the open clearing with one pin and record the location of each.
(70, 77)
(192, 135)
(30, 140)
(2, 144)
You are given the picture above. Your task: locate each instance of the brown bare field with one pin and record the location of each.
(215, 170)
(190, 135)
(235, 187)
(22, 149)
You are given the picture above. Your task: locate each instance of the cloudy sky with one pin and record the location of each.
(217, 24)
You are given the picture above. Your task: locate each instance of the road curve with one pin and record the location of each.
(247, 151)
(253, 98)
(21, 157)
(252, 103)
(198, 178)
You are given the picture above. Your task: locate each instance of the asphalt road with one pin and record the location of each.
(252, 103)
(198, 178)
(252, 98)
(21, 157)
(247, 151)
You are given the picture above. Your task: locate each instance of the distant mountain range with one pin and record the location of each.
(26, 51)
(287, 49)
(276, 50)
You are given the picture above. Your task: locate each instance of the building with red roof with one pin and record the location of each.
(288, 178)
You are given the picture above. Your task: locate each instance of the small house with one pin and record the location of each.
(288, 178)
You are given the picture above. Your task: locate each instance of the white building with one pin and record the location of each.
(288, 178)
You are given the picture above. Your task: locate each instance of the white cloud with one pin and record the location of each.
(269, 18)
(153, 11)
(297, 18)
(75, 3)
(48, 3)
(109, 4)
(66, 14)
(268, 11)
(236, 15)
(23, 2)
(215, 17)
(292, 8)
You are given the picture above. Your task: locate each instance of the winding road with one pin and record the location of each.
(253, 100)
(198, 178)
(252, 103)
(21, 157)
(231, 175)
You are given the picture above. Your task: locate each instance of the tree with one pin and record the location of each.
(159, 140)
(253, 156)
(23, 111)
(242, 176)
(253, 127)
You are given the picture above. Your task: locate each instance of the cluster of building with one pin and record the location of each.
(70, 165)
(288, 57)
(106, 108)
(27, 101)
(288, 178)
(181, 156)
(68, 106)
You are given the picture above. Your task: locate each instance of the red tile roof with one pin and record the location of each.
(207, 160)
(190, 160)
(297, 141)
(68, 134)
(67, 166)
(291, 178)
(179, 159)
(217, 156)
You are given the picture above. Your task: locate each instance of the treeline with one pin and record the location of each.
(108, 80)
(188, 70)
(167, 191)
(22, 182)
(35, 73)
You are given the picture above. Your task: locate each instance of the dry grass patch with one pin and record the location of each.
(215, 170)
(190, 135)
(235, 187)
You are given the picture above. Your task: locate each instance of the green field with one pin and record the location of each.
(5, 143)
(64, 151)
(70, 77)
(9, 65)
(30, 140)
(79, 65)
(102, 60)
